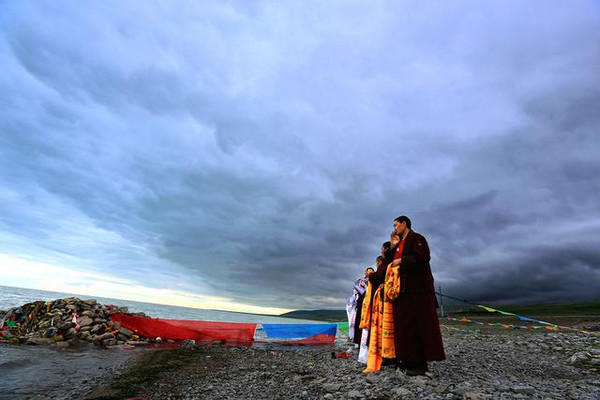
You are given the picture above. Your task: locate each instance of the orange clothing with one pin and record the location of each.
(365, 316)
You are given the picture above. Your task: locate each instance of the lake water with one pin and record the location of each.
(40, 372)
(14, 297)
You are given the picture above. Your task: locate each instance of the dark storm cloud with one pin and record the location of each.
(261, 153)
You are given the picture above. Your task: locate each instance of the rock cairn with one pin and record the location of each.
(64, 322)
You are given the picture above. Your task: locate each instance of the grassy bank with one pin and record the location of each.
(590, 308)
(147, 369)
(585, 309)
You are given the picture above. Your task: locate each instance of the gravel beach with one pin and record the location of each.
(487, 364)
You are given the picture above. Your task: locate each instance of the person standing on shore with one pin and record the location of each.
(416, 326)
(365, 316)
(387, 255)
(360, 287)
(354, 306)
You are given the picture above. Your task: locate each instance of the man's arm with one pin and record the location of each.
(378, 277)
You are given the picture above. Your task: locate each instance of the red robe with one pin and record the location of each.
(416, 325)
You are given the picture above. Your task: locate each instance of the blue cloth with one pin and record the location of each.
(296, 331)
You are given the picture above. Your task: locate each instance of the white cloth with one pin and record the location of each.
(363, 353)
(359, 288)
(351, 311)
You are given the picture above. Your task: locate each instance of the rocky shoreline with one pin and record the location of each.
(481, 364)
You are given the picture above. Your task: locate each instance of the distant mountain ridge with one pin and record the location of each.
(588, 308)
(318, 315)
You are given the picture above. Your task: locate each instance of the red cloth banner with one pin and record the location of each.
(228, 333)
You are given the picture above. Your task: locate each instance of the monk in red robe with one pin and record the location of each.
(416, 326)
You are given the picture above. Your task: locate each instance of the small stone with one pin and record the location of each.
(136, 342)
(332, 387)
(85, 321)
(64, 326)
(328, 396)
(372, 378)
(474, 396)
(37, 341)
(353, 394)
(420, 380)
(578, 357)
(126, 332)
(403, 392)
(189, 344)
(105, 336)
(523, 389)
(70, 333)
(98, 329)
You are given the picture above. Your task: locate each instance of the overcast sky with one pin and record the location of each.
(253, 155)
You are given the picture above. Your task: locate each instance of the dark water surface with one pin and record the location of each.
(47, 372)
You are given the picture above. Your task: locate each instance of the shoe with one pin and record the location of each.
(415, 372)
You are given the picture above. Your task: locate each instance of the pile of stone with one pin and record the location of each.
(64, 322)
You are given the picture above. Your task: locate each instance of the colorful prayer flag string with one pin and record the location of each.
(547, 325)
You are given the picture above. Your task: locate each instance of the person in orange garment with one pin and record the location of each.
(417, 335)
(386, 283)
(360, 287)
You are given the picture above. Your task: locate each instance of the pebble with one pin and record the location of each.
(523, 389)
(403, 392)
(474, 396)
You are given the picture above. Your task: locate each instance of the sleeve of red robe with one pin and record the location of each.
(378, 277)
(418, 257)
